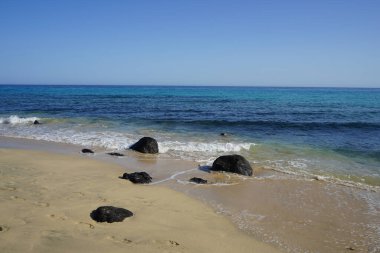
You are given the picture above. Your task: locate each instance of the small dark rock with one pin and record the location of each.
(223, 134)
(146, 145)
(350, 248)
(138, 177)
(232, 163)
(36, 122)
(115, 154)
(198, 180)
(87, 151)
(110, 214)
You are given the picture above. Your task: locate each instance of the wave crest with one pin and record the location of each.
(203, 146)
(14, 119)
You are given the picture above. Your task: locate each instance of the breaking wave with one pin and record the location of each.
(14, 119)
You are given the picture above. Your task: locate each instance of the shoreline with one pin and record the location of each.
(47, 199)
(290, 214)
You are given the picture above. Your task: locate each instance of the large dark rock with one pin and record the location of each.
(36, 122)
(138, 177)
(87, 151)
(198, 180)
(146, 145)
(110, 214)
(232, 163)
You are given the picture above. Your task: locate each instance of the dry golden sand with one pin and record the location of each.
(46, 200)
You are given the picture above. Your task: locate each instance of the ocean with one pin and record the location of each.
(315, 151)
(330, 133)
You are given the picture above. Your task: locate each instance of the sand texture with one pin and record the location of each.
(46, 201)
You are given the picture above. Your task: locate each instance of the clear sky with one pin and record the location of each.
(191, 42)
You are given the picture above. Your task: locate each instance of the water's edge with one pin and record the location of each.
(259, 219)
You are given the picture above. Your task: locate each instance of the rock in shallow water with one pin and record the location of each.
(115, 154)
(36, 122)
(138, 177)
(146, 145)
(110, 214)
(232, 163)
(198, 180)
(87, 151)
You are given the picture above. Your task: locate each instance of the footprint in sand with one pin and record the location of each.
(75, 195)
(80, 194)
(8, 188)
(3, 228)
(148, 202)
(89, 225)
(170, 243)
(125, 240)
(42, 204)
(122, 240)
(102, 199)
(53, 234)
(56, 217)
(17, 198)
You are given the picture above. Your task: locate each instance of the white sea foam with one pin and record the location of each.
(192, 146)
(14, 119)
(173, 177)
(195, 149)
(298, 168)
(199, 151)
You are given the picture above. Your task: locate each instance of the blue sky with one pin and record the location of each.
(193, 42)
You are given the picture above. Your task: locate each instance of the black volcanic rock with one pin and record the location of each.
(36, 122)
(87, 151)
(115, 154)
(138, 177)
(232, 163)
(110, 214)
(198, 180)
(146, 145)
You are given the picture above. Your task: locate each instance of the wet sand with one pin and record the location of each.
(289, 213)
(46, 200)
(298, 215)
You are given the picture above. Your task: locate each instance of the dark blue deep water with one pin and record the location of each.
(332, 132)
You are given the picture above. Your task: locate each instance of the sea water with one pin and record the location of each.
(331, 133)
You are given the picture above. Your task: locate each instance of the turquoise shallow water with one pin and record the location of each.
(325, 132)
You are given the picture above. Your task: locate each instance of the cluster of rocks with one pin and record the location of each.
(146, 145)
(228, 163)
(116, 214)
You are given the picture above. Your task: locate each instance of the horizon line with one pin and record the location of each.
(201, 85)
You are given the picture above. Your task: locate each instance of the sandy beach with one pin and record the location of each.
(47, 200)
(49, 190)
